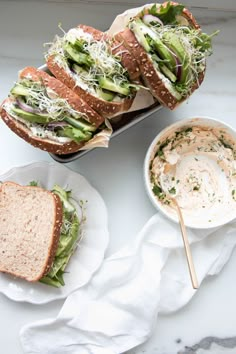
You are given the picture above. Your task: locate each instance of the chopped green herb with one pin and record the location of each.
(167, 13)
(196, 188)
(33, 183)
(172, 190)
(226, 145)
(188, 130)
(158, 192)
(160, 153)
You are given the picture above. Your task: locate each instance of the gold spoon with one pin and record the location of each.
(186, 246)
(188, 253)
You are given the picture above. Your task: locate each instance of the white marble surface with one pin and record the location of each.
(116, 172)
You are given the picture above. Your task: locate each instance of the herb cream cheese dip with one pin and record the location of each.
(196, 165)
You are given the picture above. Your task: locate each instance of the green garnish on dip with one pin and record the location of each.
(195, 164)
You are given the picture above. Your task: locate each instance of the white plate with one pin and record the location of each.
(90, 252)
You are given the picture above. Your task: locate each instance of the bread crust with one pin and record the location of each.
(117, 49)
(127, 60)
(56, 235)
(149, 74)
(63, 91)
(186, 13)
(52, 248)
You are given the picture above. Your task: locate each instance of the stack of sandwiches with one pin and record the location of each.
(93, 76)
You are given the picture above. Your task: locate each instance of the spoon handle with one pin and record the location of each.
(187, 248)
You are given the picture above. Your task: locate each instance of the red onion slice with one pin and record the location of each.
(25, 107)
(178, 65)
(178, 72)
(147, 19)
(56, 125)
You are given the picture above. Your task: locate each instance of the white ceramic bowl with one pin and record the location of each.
(199, 176)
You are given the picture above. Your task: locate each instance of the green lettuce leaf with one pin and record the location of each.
(204, 42)
(167, 14)
(70, 236)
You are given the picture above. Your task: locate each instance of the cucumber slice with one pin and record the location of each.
(138, 28)
(77, 44)
(78, 57)
(109, 85)
(165, 54)
(57, 265)
(53, 282)
(75, 134)
(70, 208)
(174, 43)
(63, 242)
(31, 117)
(166, 71)
(79, 70)
(80, 124)
(106, 95)
(19, 90)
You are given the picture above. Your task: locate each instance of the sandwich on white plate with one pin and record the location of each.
(39, 232)
(97, 68)
(47, 114)
(170, 50)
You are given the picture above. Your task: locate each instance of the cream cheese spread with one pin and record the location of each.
(197, 166)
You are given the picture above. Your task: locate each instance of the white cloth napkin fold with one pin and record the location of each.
(118, 309)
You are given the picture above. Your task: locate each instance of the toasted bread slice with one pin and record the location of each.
(30, 219)
(61, 70)
(48, 144)
(118, 49)
(63, 91)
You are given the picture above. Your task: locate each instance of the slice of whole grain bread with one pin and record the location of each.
(30, 223)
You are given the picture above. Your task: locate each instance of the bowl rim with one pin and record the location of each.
(178, 124)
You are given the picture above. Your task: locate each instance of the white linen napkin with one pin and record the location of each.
(118, 309)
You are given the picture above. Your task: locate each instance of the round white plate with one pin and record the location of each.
(90, 251)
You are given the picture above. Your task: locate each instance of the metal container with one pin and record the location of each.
(119, 124)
